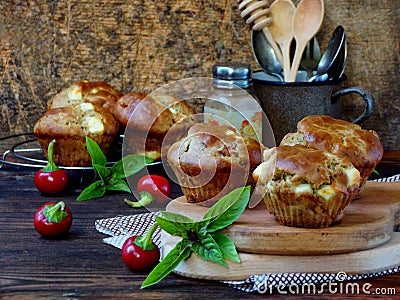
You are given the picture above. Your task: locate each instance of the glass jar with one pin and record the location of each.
(231, 101)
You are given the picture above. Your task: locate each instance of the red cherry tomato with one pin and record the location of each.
(53, 219)
(51, 182)
(156, 185)
(137, 259)
(51, 179)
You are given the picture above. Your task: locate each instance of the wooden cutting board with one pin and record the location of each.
(368, 222)
(363, 243)
(384, 257)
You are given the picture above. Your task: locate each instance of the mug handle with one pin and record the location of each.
(367, 96)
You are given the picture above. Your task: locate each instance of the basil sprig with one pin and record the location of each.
(110, 179)
(202, 237)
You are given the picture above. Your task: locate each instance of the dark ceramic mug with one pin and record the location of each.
(285, 104)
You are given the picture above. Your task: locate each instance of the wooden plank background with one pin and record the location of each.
(143, 44)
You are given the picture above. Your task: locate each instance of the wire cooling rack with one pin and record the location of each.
(26, 152)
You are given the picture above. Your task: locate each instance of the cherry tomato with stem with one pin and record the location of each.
(51, 179)
(139, 253)
(158, 186)
(151, 188)
(53, 219)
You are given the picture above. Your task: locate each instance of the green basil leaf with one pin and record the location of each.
(201, 236)
(187, 230)
(172, 227)
(197, 227)
(224, 203)
(95, 152)
(130, 164)
(118, 185)
(101, 171)
(168, 264)
(95, 190)
(208, 249)
(226, 246)
(197, 230)
(228, 209)
(176, 217)
(118, 170)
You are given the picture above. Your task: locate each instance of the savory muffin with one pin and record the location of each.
(305, 187)
(149, 119)
(97, 92)
(361, 147)
(125, 105)
(69, 126)
(212, 161)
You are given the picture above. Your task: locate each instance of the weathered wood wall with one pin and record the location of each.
(142, 44)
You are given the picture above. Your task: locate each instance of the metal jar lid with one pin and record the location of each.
(238, 73)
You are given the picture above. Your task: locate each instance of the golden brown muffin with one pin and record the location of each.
(69, 126)
(125, 106)
(212, 161)
(98, 92)
(149, 119)
(361, 147)
(305, 187)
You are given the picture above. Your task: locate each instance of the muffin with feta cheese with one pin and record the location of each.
(213, 160)
(96, 92)
(360, 146)
(305, 187)
(69, 126)
(148, 120)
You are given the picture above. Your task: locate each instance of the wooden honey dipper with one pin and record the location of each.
(256, 12)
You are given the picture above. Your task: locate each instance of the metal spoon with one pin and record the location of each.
(265, 55)
(337, 69)
(311, 57)
(336, 44)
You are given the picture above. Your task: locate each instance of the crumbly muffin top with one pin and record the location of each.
(125, 106)
(96, 92)
(302, 165)
(79, 119)
(362, 147)
(156, 114)
(223, 144)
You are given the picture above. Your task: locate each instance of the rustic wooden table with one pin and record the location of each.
(80, 265)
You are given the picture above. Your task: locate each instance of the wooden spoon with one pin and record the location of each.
(306, 22)
(281, 28)
(257, 12)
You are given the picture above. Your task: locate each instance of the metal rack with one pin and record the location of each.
(28, 153)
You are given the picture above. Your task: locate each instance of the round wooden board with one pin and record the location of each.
(379, 205)
(368, 223)
(384, 257)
